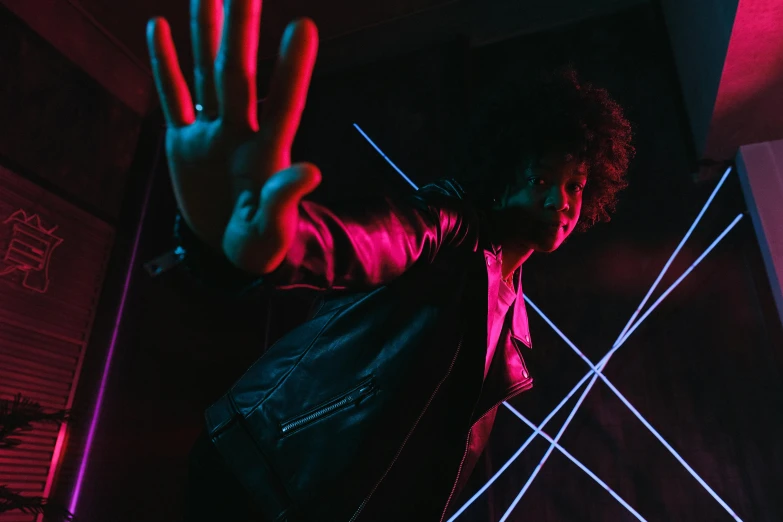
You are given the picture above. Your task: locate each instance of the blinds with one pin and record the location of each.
(52, 262)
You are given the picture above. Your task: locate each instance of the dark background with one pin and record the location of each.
(705, 369)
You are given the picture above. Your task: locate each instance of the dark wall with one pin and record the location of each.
(59, 126)
(411, 106)
(68, 135)
(705, 368)
(699, 32)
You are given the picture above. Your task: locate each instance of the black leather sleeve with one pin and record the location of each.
(209, 269)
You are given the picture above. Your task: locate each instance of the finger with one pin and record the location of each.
(283, 106)
(235, 68)
(173, 91)
(206, 20)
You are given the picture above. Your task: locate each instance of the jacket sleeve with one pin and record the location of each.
(359, 246)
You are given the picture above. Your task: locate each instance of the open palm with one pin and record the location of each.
(231, 169)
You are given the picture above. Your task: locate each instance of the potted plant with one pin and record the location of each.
(16, 416)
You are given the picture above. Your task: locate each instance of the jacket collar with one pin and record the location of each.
(520, 328)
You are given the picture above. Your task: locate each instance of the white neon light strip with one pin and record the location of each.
(520, 450)
(548, 452)
(401, 173)
(596, 370)
(571, 393)
(620, 395)
(669, 290)
(536, 429)
(676, 251)
(575, 461)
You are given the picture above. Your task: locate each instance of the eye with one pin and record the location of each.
(577, 187)
(535, 181)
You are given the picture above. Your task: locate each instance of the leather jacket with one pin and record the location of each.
(379, 406)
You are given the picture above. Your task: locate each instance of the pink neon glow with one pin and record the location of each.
(112, 344)
(30, 250)
(747, 105)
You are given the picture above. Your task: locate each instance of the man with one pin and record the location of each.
(379, 406)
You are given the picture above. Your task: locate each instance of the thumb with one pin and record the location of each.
(261, 230)
(287, 187)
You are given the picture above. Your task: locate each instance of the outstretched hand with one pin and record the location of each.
(231, 169)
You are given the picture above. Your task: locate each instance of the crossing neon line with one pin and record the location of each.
(596, 371)
(573, 459)
(625, 401)
(576, 387)
(389, 161)
(676, 251)
(519, 451)
(596, 374)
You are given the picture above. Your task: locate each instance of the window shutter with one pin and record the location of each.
(53, 257)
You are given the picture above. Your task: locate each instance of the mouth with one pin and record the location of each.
(553, 226)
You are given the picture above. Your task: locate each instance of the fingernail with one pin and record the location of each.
(287, 37)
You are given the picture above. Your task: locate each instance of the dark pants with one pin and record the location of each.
(212, 493)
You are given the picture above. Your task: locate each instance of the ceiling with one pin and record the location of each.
(729, 102)
(359, 31)
(106, 38)
(369, 26)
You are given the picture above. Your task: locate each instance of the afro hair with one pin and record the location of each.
(549, 113)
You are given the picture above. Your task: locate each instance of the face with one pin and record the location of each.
(541, 210)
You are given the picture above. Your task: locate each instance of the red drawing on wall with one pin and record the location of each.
(30, 250)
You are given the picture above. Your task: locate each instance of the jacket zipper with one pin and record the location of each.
(350, 398)
(410, 432)
(526, 386)
(459, 470)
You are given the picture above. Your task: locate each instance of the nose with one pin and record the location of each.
(556, 199)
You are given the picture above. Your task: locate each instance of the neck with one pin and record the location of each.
(513, 257)
(514, 254)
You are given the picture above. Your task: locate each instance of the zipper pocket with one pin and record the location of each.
(347, 399)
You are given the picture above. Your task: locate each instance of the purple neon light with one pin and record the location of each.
(113, 343)
(573, 459)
